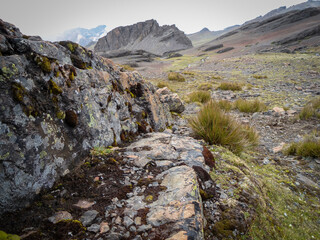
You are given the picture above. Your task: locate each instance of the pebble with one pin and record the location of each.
(88, 217)
(94, 228)
(127, 221)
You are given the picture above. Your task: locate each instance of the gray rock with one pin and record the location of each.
(147, 36)
(127, 221)
(94, 228)
(172, 99)
(60, 100)
(87, 218)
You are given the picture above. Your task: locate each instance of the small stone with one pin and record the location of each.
(144, 228)
(127, 221)
(223, 195)
(118, 220)
(84, 204)
(133, 229)
(96, 179)
(58, 216)
(94, 228)
(137, 221)
(266, 161)
(182, 235)
(88, 217)
(104, 227)
(278, 148)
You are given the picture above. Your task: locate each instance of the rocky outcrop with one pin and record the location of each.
(58, 101)
(172, 99)
(147, 36)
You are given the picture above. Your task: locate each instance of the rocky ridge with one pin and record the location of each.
(146, 36)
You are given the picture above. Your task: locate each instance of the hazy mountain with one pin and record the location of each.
(205, 35)
(84, 36)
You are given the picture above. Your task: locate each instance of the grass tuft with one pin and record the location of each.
(174, 76)
(308, 147)
(200, 96)
(127, 68)
(205, 86)
(249, 106)
(230, 86)
(311, 109)
(216, 127)
(259, 76)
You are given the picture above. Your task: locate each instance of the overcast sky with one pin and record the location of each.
(49, 18)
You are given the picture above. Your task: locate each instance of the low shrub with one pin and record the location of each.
(230, 86)
(216, 127)
(249, 106)
(225, 105)
(200, 96)
(311, 109)
(259, 76)
(205, 86)
(308, 147)
(162, 85)
(174, 76)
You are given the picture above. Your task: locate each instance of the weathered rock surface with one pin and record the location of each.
(172, 99)
(58, 101)
(147, 36)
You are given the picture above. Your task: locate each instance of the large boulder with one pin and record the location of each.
(58, 101)
(147, 36)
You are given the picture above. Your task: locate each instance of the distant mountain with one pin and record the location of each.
(284, 9)
(285, 32)
(205, 35)
(84, 36)
(145, 36)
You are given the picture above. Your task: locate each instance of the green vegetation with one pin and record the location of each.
(200, 96)
(180, 63)
(308, 147)
(225, 105)
(205, 86)
(5, 236)
(44, 63)
(249, 106)
(101, 151)
(216, 127)
(54, 88)
(174, 76)
(311, 109)
(162, 85)
(230, 86)
(259, 76)
(189, 73)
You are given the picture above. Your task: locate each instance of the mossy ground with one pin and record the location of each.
(276, 208)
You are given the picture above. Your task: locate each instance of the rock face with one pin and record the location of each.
(58, 101)
(147, 36)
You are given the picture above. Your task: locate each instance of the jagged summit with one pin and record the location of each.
(146, 36)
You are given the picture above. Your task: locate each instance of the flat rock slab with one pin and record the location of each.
(178, 205)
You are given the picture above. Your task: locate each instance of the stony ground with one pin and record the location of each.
(152, 188)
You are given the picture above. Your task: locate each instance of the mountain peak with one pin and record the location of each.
(205, 30)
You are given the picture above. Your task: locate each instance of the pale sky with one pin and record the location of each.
(49, 18)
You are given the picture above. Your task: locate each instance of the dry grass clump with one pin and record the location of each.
(225, 105)
(308, 147)
(230, 86)
(216, 77)
(311, 109)
(189, 73)
(249, 106)
(200, 96)
(162, 85)
(259, 76)
(216, 127)
(205, 86)
(174, 76)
